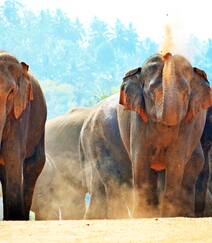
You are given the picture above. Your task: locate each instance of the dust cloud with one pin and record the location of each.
(168, 44)
(58, 193)
(177, 40)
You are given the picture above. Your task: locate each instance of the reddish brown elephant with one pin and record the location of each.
(22, 122)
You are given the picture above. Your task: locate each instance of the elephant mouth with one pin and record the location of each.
(157, 165)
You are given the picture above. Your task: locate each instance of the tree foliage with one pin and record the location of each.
(76, 65)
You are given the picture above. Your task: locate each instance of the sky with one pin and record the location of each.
(149, 17)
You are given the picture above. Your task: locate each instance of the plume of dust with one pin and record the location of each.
(56, 196)
(168, 44)
(178, 40)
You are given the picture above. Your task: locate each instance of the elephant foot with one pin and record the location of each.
(146, 211)
(16, 212)
(93, 212)
(176, 209)
(94, 215)
(207, 213)
(16, 216)
(187, 210)
(119, 213)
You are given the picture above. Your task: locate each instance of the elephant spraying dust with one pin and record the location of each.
(22, 122)
(155, 124)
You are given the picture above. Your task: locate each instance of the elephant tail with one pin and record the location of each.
(82, 165)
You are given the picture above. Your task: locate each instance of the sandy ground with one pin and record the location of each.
(132, 230)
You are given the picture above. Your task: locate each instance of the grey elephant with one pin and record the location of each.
(22, 122)
(154, 125)
(59, 191)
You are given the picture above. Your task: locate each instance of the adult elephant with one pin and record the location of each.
(22, 122)
(59, 191)
(155, 124)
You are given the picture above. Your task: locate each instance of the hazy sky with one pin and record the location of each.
(149, 17)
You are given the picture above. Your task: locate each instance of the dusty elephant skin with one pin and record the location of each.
(59, 191)
(157, 126)
(22, 121)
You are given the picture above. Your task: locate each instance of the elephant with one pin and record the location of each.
(155, 124)
(59, 191)
(22, 127)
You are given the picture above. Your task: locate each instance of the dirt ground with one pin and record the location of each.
(132, 230)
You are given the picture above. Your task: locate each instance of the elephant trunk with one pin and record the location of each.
(13, 184)
(170, 104)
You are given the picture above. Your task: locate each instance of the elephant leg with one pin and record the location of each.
(119, 200)
(1, 177)
(171, 202)
(145, 192)
(74, 206)
(201, 187)
(97, 208)
(192, 170)
(161, 185)
(32, 169)
(145, 195)
(45, 210)
(12, 187)
(12, 179)
(45, 205)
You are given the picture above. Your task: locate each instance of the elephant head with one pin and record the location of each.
(15, 88)
(167, 89)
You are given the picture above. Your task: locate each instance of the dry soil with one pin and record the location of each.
(132, 230)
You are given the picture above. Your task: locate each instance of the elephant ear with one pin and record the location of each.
(131, 93)
(24, 92)
(201, 96)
